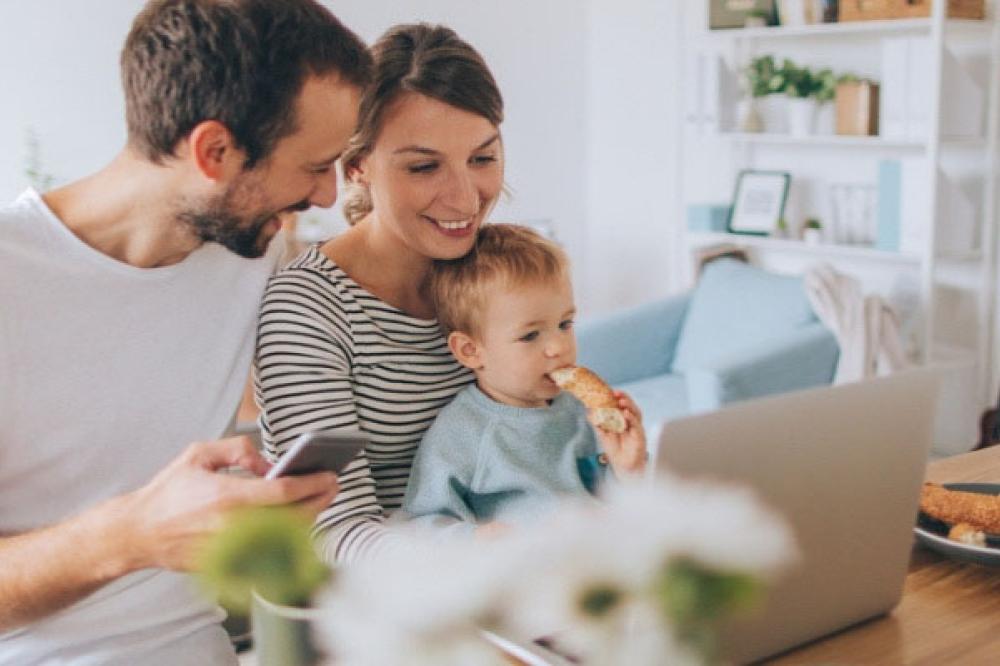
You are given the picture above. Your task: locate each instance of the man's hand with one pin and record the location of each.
(160, 525)
(626, 451)
(492, 530)
(187, 501)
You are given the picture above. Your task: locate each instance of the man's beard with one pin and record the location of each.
(215, 222)
(217, 225)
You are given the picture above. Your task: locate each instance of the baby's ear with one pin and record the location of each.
(465, 349)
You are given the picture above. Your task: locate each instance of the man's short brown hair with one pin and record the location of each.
(504, 254)
(240, 62)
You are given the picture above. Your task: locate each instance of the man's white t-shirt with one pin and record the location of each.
(107, 372)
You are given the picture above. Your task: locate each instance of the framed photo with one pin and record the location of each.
(759, 202)
(734, 13)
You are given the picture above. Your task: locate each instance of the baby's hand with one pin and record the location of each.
(626, 451)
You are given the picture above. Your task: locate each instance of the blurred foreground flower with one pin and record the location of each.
(267, 549)
(643, 578)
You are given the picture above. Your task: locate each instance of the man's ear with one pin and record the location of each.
(213, 150)
(466, 350)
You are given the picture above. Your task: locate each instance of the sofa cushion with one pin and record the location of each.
(660, 398)
(736, 306)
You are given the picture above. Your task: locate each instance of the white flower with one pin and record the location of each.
(587, 576)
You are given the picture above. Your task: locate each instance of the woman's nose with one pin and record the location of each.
(461, 194)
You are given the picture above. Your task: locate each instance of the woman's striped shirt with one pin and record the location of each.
(331, 355)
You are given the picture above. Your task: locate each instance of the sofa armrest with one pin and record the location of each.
(632, 344)
(800, 359)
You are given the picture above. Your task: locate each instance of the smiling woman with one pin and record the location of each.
(348, 337)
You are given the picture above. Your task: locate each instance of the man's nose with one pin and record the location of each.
(325, 193)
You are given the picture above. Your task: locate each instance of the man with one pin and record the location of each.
(127, 309)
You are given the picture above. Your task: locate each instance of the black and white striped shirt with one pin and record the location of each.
(332, 355)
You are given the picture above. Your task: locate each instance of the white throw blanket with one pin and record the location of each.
(866, 327)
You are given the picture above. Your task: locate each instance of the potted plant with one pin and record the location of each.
(812, 231)
(757, 81)
(263, 562)
(800, 87)
(824, 94)
(757, 18)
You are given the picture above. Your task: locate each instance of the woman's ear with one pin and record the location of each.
(357, 172)
(213, 151)
(466, 350)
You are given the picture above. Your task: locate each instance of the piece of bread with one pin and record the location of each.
(967, 534)
(980, 511)
(595, 395)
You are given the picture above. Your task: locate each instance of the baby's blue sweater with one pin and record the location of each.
(484, 461)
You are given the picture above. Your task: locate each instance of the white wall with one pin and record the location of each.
(632, 107)
(588, 89)
(59, 77)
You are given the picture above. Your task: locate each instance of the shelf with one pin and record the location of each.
(826, 250)
(876, 28)
(821, 140)
(963, 272)
(842, 141)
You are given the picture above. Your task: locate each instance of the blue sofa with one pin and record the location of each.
(741, 333)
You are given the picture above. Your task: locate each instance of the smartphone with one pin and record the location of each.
(322, 451)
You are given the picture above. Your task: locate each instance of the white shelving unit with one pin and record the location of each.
(955, 315)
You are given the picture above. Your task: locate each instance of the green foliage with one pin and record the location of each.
(599, 600)
(760, 74)
(268, 549)
(812, 223)
(764, 77)
(798, 81)
(693, 597)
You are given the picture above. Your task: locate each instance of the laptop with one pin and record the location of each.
(844, 465)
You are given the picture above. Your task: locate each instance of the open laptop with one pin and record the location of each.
(844, 465)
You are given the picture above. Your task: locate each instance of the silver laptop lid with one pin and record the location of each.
(844, 465)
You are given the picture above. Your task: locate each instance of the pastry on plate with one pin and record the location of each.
(980, 512)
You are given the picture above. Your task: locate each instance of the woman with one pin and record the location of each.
(347, 335)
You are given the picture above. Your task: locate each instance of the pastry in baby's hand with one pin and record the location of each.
(595, 395)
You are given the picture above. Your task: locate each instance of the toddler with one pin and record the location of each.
(512, 442)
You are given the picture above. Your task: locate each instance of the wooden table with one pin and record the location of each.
(950, 612)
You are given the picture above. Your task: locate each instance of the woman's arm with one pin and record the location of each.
(302, 377)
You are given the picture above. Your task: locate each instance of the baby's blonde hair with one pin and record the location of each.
(505, 254)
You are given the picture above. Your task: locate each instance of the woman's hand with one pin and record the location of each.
(626, 451)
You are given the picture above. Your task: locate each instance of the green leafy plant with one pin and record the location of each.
(812, 223)
(797, 81)
(760, 76)
(267, 549)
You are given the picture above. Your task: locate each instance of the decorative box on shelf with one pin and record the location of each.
(857, 108)
(871, 10)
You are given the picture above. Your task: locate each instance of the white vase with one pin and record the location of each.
(812, 236)
(826, 119)
(774, 112)
(748, 115)
(801, 116)
(282, 635)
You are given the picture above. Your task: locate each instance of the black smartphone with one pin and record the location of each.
(328, 450)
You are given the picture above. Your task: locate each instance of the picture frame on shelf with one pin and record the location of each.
(727, 14)
(758, 202)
